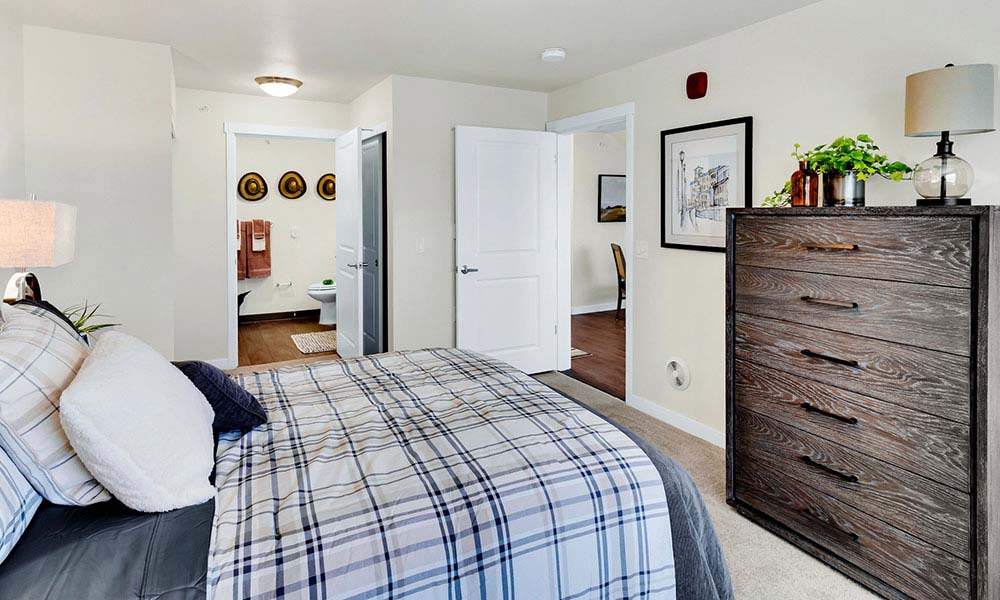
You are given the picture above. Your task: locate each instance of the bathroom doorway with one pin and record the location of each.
(283, 243)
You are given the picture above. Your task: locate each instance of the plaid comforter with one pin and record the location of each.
(433, 474)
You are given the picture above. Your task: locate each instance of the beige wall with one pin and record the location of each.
(11, 109)
(594, 280)
(303, 231)
(199, 199)
(425, 112)
(837, 67)
(97, 135)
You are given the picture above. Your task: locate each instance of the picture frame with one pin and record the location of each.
(611, 198)
(704, 169)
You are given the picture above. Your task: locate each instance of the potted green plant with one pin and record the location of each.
(845, 164)
(81, 314)
(780, 198)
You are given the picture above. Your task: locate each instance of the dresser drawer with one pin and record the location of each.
(923, 508)
(915, 441)
(911, 565)
(928, 316)
(924, 380)
(931, 250)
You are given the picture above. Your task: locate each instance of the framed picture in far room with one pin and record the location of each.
(704, 169)
(610, 198)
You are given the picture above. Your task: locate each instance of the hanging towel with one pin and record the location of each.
(241, 250)
(259, 235)
(259, 262)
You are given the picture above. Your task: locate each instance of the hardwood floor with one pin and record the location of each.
(271, 341)
(604, 338)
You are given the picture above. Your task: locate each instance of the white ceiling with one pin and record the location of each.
(340, 48)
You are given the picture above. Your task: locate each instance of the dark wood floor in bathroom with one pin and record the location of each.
(271, 341)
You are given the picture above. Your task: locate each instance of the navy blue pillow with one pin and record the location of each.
(235, 408)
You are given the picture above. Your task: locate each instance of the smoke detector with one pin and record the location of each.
(554, 54)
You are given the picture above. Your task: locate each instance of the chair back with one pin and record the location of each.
(616, 250)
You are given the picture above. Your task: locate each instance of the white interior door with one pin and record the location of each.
(349, 235)
(505, 245)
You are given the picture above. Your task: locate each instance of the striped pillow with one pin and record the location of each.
(18, 503)
(38, 360)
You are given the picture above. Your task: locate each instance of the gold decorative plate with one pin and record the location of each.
(326, 187)
(291, 185)
(252, 187)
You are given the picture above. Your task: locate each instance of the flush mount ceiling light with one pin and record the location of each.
(278, 86)
(554, 54)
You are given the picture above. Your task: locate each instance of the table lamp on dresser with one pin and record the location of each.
(954, 100)
(34, 233)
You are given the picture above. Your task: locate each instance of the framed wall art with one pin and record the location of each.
(704, 169)
(610, 198)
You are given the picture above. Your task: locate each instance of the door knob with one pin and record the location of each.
(465, 270)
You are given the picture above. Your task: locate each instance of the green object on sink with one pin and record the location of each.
(327, 282)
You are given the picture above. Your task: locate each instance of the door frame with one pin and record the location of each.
(623, 114)
(232, 130)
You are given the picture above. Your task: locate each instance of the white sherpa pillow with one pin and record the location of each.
(140, 426)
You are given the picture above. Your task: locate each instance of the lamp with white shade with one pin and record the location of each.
(954, 100)
(34, 234)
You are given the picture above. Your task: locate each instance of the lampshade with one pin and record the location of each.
(36, 234)
(959, 99)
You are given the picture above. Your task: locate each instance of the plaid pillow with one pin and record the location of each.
(38, 360)
(18, 503)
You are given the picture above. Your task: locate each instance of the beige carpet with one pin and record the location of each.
(763, 567)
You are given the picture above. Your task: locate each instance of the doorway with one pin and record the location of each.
(513, 239)
(597, 261)
(596, 158)
(275, 324)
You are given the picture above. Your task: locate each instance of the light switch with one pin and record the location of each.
(420, 245)
(294, 232)
(642, 249)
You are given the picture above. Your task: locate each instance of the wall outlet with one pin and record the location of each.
(420, 245)
(642, 249)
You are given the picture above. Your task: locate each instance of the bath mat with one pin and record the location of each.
(577, 353)
(311, 343)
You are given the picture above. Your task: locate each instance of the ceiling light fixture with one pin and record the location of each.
(554, 54)
(278, 86)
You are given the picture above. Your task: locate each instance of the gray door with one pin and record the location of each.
(373, 191)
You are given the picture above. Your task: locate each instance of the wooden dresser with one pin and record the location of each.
(862, 390)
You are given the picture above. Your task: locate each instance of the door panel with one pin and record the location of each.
(372, 189)
(349, 255)
(505, 182)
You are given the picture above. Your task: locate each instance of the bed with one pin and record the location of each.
(429, 474)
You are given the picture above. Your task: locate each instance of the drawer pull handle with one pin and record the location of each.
(831, 526)
(810, 408)
(833, 359)
(829, 302)
(844, 476)
(849, 247)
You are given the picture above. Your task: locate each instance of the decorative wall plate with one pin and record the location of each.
(291, 185)
(326, 187)
(252, 187)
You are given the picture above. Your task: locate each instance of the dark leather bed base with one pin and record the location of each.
(108, 551)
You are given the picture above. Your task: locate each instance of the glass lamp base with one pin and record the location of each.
(944, 201)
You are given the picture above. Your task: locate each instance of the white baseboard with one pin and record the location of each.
(685, 424)
(592, 308)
